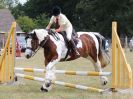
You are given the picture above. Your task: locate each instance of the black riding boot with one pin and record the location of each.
(73, 46)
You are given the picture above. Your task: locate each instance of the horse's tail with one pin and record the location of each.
(103, 56)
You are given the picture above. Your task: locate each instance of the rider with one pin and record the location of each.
(62, 24)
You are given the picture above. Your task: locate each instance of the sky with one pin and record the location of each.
(22, 1)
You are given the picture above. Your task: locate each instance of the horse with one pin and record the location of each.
(89, 45)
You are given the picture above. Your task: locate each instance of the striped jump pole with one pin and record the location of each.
(61, 83)
(81, 73)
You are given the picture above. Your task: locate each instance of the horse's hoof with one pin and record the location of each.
(104, 80)
(43, 89)
(48, 84)
(16, 78)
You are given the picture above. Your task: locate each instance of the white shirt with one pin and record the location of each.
(63, 21)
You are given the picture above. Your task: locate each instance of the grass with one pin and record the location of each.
(27, 89)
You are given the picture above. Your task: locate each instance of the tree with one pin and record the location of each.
(26, 23)
(85, 15)
(18, 11)
(41, 21)
(2, 5)
(8, 3)
(97, 15)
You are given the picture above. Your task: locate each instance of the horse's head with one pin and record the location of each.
(32, 43)
(33, 40)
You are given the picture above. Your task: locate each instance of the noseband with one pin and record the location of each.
(33, 50)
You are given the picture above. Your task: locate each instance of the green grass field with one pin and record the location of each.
(27, 89)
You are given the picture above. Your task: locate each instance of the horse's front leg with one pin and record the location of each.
(50, 74)
(104, 79)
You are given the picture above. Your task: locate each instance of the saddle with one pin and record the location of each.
(67, 43)
(63, 33)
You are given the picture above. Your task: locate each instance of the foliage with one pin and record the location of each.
(41, 21)
(26, 23)
(2, 4)
(17, 11)
(8, 3)
(99, 14)
(85, 15)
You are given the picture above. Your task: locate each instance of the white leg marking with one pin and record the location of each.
(104, 79)
(50, 75)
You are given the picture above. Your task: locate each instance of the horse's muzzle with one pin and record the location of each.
(28, 53)
(27, 56)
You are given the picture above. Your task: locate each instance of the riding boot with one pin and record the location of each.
(73, 46)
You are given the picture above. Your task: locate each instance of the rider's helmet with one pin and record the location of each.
(56, 11)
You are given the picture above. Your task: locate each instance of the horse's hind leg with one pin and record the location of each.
(104, 79)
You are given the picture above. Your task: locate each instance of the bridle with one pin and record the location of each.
(40, 45)
(33, 50)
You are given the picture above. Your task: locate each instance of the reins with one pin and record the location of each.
(36, 51)
(40, 45)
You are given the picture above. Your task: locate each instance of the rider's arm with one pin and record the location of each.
(50, 23)
(48, 26)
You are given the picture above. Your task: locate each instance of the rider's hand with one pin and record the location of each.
(57, 30)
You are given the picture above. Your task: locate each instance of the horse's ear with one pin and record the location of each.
(27, 36)
(34, 35)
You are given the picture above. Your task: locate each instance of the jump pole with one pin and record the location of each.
(81, 73)
(61, 83)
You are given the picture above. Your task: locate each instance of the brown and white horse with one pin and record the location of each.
(89, 45)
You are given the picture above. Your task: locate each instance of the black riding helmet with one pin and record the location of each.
(56, 11)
